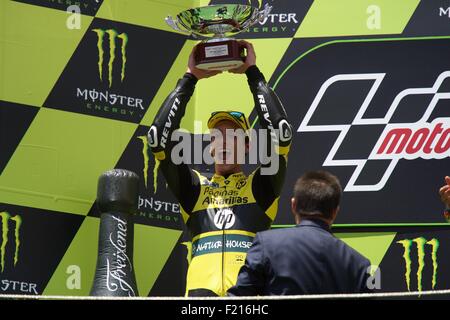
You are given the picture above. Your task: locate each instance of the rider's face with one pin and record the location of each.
(228, 143)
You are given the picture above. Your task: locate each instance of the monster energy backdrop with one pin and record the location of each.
(366, 85)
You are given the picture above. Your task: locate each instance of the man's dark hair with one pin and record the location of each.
(318, 194)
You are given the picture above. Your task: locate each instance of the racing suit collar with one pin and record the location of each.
(233, 176)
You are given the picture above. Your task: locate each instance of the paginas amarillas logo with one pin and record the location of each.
(420, 244)
(426, 138)
(6, 221)
(112, 36)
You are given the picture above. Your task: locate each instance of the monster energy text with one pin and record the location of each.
(112, 35)
(164, 211)
(157, 205)
(18, 286)
(276, 22)
(165, 217)
(110, 98)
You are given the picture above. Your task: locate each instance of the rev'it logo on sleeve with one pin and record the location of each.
(421, 253)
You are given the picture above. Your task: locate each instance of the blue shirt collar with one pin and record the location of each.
(311, 222)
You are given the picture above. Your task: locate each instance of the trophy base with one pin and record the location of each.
(220, 55)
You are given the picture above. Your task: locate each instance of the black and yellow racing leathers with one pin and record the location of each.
(222, 214)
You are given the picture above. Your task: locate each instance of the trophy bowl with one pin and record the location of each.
(216, 25)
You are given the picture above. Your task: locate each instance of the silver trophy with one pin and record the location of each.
(215, 25)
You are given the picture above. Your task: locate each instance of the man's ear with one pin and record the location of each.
(294, 206)
(335, 213)
(211, 143)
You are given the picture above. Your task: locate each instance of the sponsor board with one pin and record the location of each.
(375, 120)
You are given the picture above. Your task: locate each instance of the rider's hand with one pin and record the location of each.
(444, 192)
(199, 73)
(250, 60)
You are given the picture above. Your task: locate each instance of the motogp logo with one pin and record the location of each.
(421, 139)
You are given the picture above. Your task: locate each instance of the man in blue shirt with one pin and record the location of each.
(306, 259)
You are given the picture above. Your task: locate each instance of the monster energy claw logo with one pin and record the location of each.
(420, 244)
(5, 218)
(145, 151)
(112, 34)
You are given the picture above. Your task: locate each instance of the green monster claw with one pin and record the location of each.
(5, 218)
(145, 156)
(124, 38)
(406, 243)
(434, 243)
(18, 221)
(144, 140)
(112, 53)
(420, 242)
(100, 33)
